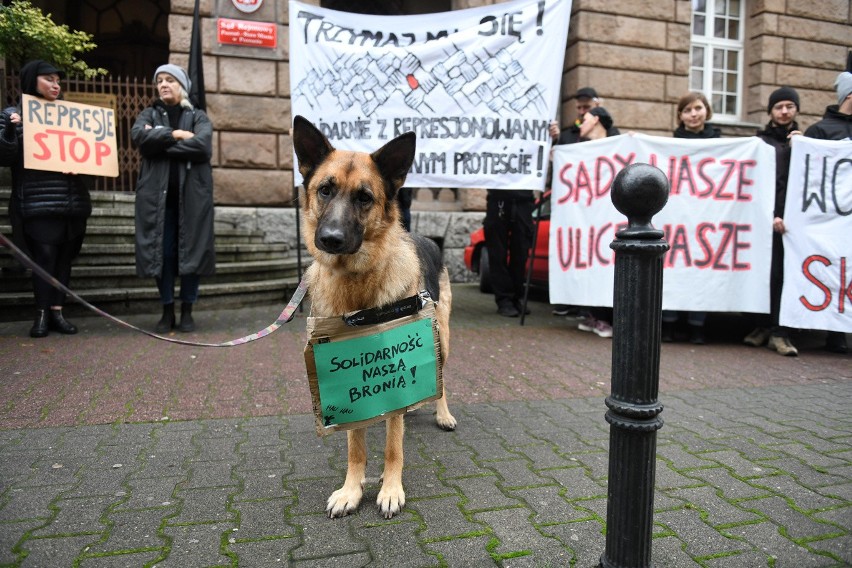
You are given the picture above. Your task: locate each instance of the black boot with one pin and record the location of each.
(40, 326)
(667, 334)
(58, 323)
(167, 322)
(186, 321)
(696, 334)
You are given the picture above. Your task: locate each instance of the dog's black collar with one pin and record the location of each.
(382, 314)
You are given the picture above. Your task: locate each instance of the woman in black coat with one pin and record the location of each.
(174, 195)
(693, 113)
(51, 207)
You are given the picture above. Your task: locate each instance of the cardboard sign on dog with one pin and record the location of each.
(61, 136)
(359, 375)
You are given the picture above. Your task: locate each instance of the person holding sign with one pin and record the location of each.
(174, 195)
(693, 111)
(597, 123)
(585, 100)
(782, 108)
(53, 207)
(836, 124)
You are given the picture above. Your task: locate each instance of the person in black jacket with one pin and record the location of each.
(508, 226)
(782, 108)
(585, 100)
(174, 196)
(836, 124)
(694, 112)
(53, 207)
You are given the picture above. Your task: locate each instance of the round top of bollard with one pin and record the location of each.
(640, 191)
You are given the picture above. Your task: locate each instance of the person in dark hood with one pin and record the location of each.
(52, 208)
(174, 196)
(783, 106)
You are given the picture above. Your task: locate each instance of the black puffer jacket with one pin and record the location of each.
(834, 125)
(777, 137)
(39, 193)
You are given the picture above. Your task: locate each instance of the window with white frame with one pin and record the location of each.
(716, 54)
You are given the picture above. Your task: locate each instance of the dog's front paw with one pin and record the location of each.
(391, 499)
(343, 501)
(446, 421)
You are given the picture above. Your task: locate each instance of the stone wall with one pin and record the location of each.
(636, 54)
(248, 100)
(800, 44)
(450, 230)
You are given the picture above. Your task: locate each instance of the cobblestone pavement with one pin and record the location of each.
(120, 450)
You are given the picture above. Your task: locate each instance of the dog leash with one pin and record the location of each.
(286, 315)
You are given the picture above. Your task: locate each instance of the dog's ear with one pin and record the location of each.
(311, 146)
(394, 159)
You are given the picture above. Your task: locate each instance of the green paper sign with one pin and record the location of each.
(369, 376)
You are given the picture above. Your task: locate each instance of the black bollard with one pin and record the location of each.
(639, 191)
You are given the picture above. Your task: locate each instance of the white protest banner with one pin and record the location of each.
(817, 291)
(61, 136)
(718, 220)
(479, 87)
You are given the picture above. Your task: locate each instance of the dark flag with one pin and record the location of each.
(196, 68)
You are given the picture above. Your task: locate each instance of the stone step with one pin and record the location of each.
(249, 270)
(124, 254)
(88, 277)
(145, 298)
(125, 234)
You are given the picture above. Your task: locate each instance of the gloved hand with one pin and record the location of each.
(8, 126)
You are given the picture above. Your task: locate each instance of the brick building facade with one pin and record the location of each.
(636, 54)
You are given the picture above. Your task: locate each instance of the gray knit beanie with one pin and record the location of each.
(175, 72)
(843, 84)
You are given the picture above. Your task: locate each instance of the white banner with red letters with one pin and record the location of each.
(817, 291)
(479, 86)
(718, 220)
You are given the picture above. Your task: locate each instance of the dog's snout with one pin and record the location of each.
(331, 239)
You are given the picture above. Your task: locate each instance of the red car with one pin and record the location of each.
(476, 257)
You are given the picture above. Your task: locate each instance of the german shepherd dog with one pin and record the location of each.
(364, 258)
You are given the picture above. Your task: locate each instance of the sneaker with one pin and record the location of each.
(782, 345)
(758, 337)
(562, 310)
(603, 329)
(588, 323)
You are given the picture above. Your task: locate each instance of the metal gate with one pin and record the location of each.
(127, 96)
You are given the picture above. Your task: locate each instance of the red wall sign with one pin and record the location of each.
(249, 34)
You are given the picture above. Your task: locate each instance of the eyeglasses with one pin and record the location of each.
(790, 107)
